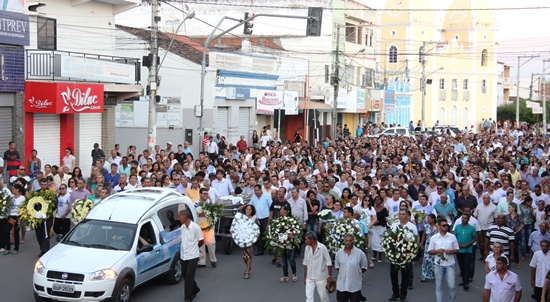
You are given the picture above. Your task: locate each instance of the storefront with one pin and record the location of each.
(60, 115)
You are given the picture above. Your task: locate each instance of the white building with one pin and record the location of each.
(357, 63)
(73, 81)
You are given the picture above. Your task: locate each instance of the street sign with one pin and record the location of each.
(537, 110)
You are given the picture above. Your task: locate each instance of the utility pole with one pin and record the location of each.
(335, 84)
(423, 87)
(517, 87)
(153, 77)
(531, 87)
(544, 95)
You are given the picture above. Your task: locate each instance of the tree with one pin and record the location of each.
(508, 112)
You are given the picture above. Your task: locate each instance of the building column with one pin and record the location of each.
(108, 129)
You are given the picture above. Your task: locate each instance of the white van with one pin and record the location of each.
(104, 257)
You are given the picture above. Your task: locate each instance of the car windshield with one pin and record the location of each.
(102, 235)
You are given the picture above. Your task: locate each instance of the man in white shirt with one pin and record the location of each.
(502, 285)
(298, 206)
(114, 158)
(317, 268)
(191, 241)
(540, 264)
(212, 149)
(444, 246)
(222, 184)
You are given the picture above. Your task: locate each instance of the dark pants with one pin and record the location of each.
(538, 293)
(62, 226)
(260, 244)
(188, 269)
(464, 264)
(4, 234)
(42, 232)
(213, 156)
(348, 297)
(405, 276)
(517, 246)
(15, 235)
(289, 256)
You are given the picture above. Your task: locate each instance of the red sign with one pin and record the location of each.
(60, 98)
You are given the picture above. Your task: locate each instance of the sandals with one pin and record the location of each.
(423, 280)
(247, 275)
(283, 279)
(14, 252)
(371, 264)
(294, 278)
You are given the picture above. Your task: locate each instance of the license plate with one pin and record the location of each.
(64, 288)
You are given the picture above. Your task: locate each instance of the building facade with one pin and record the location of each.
(457, 55)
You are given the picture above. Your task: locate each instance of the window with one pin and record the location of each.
(484, 57)
(358, 78)
(421, 54)
(369, 37)
(168, 216)
(351, 33)
(46, 33)
(368, 78)
(454, 84)
(484, 86)
(393, 54)
(465, 85)
(441, 84)
(350, 71)
(147, 233)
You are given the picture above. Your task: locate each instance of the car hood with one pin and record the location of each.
(68, 258)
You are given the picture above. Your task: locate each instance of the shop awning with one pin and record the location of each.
(313, 105)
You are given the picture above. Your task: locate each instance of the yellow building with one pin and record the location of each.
(459, 59)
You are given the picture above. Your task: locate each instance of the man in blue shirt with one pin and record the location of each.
(262, 202)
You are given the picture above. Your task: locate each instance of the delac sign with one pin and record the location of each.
(60, 98)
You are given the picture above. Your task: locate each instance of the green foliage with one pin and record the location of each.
(508, 112)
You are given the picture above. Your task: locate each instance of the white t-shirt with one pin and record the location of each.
(68, 162)
(190, 237)
(392, 206)
(63, 205)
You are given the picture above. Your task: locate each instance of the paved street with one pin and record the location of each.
(226, 283)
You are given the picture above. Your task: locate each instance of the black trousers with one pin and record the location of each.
(538, 293)
(260, 244)
(464, 264)
(42, 232)
(405, 276)
(348, 297)
(5, 229)
(189, 267)
(62, 226)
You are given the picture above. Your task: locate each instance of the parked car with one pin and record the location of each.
(104, 257)
(401, 131)
(454, 129)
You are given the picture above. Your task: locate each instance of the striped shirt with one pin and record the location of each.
(503, 235)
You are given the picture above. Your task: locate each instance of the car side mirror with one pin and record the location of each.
(58, 237)
(145, 248)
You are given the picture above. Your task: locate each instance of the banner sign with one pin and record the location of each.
(63, 98)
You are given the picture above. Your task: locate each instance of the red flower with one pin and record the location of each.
(408, 251)
(395, 238)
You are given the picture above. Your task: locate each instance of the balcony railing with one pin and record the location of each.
(442, 95)
(454, 95)
(48, 65)
(466, 95)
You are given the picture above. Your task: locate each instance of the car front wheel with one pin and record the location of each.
(123, 292)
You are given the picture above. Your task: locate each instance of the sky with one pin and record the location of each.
(521, 32)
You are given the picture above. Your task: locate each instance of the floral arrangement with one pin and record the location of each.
(284, 233)
(80, 208)
(400, 246)
(5, 204)
(335, 233)
(212, 211)
(38, 207)
(326, 216)
(418, 217)
(245, 231)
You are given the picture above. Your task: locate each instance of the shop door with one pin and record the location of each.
(89, 133)
(244, 123)
(222, 121)
(6, 124)
(46, 138)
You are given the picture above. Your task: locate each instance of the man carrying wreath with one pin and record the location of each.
(42, 230)
(404, 221)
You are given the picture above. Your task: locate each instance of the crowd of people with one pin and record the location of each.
(465, 194)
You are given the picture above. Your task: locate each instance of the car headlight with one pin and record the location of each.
(39, 268)
(104, 274)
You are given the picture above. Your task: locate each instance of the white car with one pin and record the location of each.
(104, 257)
(400, 131)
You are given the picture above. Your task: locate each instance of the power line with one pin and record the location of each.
(372, 9)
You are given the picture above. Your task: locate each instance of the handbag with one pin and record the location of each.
(12, 221)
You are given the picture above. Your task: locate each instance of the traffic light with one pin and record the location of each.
(314, 25)
(248, 24)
